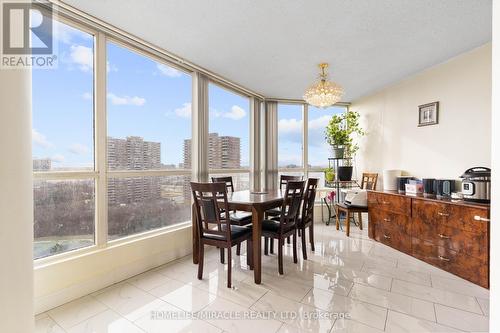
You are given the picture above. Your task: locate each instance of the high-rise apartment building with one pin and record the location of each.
(133, 153)
(42, 164)
(224, 152)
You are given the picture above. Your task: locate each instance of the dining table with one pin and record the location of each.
(256, 203)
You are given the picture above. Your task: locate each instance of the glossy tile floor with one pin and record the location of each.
(348, 285)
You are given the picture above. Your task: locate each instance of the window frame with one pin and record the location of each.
(100, 173)
(117, 174)
(250, 157)
(305, 169)
(79, 174)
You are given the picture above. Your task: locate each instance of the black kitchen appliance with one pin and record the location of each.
(429, 187)
(444, 188)
(402, 181)
(476, 184)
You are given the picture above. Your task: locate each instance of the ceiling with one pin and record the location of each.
(273, 46)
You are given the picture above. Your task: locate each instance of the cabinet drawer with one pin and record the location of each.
(392, 203)
(465, 266)
(464, 242)
(391, 220)
(393, 235)
(454, 216)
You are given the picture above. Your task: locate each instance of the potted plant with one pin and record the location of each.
(341, 131)
(329, 175)
(336, 135)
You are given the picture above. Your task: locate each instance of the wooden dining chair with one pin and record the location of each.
(237, 217)
(215, 228)
(306, 220)
(284, 179)
(286, 225)
(368, 182)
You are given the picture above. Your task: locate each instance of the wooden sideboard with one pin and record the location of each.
(451, 235)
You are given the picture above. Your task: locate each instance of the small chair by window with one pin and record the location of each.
(368, 182)
(275, 212)
(237, 217)
(215, 228)
(306, 220)
(286, 226)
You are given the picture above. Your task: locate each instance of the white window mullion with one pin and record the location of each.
(100, 125)
(199, 156)
(255, 144)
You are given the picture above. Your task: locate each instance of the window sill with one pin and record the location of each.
(95, 249)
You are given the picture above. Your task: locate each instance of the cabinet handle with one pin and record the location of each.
(443, 258)
(443, 214)
(387, 237)
(443, 236)
(385, 202)
(479, 218)
(387, 220)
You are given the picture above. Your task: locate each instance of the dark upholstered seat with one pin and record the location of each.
(273, 226)
(236, 232)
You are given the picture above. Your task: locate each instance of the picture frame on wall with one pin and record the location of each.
(428, 114)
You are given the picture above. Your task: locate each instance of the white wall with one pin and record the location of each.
(16, 203)
(461, 140)
(495, 191)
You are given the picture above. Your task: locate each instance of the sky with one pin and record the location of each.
(148, 99)
(290, 128)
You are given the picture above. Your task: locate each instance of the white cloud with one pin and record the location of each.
(126, 100)
(184, 111)
(290, 126)
(40, 140)
(87, 96)
(317, 127)
(79, 149)
(111, 67)
(58, 158)
(236, 113)
(168, 71)
(319, 123)
(82, 56)
(62, 32)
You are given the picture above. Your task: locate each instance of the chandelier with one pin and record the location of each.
(323, 93)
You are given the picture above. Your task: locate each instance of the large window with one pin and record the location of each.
(290, 133)
(63, 141)
(149, 128)
(318, 150)
(145, 183)
(229, 135)
(292, 120)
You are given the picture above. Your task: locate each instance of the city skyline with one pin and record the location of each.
(224, 153)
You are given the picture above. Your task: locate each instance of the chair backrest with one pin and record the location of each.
(209, 200)
(369, 181)
(292, 199)
(227, 180)
(284, 179)
(309, 197)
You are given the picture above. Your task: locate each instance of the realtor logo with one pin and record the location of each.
(27, 35)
